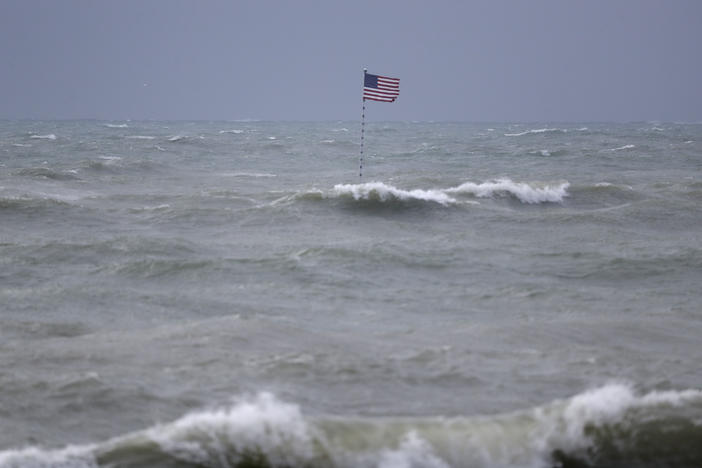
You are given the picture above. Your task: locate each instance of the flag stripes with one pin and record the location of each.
(380, 88)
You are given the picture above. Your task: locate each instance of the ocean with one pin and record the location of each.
(233, 294)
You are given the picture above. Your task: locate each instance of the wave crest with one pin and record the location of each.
(378, 191)
(526, 193)
(529, 193)
(612, 425)
(537, 131)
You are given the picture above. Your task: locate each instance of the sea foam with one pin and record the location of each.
(265, 431)
(526, 193)
(536, 131)
(529, 193)
(378, 191)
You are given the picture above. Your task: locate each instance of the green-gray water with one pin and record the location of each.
(222, 293)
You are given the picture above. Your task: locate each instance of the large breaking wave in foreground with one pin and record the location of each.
(612, 426)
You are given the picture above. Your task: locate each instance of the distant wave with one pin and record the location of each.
(50, 136)
(141, 137)
(529, 193)
(612, 425)
(378, 191)
(123, 125)
(536, 132)
(625, 147)
(31, 203)
(46, 173)
(545, 152)
(526, 193)
(176, 138)
(247, 174)
(236, 132)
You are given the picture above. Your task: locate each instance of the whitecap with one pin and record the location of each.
(247, 174)
(625, 147)
(235, 131)
(281, 435)
(50, 136)
(123, 125)
(141, 137)
(382, 192)
(526, 193)
(566, 429)
(413, 451)
(535, 132)
(265, 424)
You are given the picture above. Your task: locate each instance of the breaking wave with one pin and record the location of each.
(524, 192)
(537, 131)
(529, 193)
(612, 426)
(247, 174)
(378, 191)
(176, 138)
(625, 147)
(50, 136)
(140, 137)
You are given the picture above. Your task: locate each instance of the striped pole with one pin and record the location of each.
(363, 125)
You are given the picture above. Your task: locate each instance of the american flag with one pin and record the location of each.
(380, 88)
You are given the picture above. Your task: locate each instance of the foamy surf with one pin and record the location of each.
(604, 426)
(378, 191)
(524, 192)
(529, 193)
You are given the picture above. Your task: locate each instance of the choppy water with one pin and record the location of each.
(231, 294)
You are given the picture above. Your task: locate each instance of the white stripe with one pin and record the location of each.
(391, 81)
(380, 95)
(387, 92)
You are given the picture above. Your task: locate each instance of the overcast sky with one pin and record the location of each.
(486, 60)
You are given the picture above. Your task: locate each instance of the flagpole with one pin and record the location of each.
(363, 125)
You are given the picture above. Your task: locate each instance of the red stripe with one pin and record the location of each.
(380, 93)
(373, 98)
(387, 88)
(383, 90)
(378, 99)
(373, 93)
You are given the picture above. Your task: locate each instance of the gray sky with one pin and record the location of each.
(487, 60)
